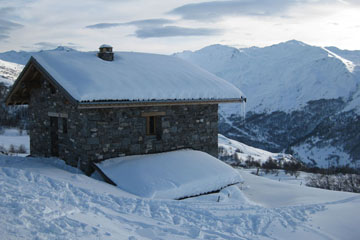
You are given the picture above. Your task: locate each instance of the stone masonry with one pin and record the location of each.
(93, 135)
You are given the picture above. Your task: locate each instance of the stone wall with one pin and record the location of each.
(97, 134)
(45, 100)
(107, 133)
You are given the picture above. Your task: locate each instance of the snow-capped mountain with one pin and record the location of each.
(12, 62)
(301, 98)
(282, 77)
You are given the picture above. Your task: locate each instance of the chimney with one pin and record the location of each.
(106, 53)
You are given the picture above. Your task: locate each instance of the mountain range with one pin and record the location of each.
(301, 99)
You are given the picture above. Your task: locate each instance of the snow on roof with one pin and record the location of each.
(133, 76)
(105, 46)
(170, 175)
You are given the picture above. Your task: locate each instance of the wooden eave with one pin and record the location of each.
(28, 79)
(124, 104)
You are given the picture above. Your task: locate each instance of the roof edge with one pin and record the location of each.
(17, 82)
(122, 104)
(32, 62)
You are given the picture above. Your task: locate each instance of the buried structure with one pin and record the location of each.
(86, 107)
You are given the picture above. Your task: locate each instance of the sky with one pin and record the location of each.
(168, 26)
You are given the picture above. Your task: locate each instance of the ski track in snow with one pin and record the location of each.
(38, 206)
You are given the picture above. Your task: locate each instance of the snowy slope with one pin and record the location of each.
(243, 151)
(9, 71)
(45, 199)
(282, 77)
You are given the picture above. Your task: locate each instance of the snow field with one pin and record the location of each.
(45, 199)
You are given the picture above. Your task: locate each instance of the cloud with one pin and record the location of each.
(213, 10)
(138, 23)
(174, 31)
(150, 22)
(159, 28)
(6, 27)
(103, 25)
(46, 45)
(53, 45)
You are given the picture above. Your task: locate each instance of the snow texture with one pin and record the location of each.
(42, 198)
(170, 175)
(133, 76)
(323, 155)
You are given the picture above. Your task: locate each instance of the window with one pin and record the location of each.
(153, 123)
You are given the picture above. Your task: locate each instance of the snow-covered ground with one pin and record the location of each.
(12, 136)
(45, 199)
(332, 215)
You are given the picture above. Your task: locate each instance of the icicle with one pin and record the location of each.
(244, 111)
(78, 166)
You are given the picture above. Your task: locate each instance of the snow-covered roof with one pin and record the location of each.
(170, 175)
(133, 77)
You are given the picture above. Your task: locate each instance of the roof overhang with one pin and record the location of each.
(125, 104)
(28, 78)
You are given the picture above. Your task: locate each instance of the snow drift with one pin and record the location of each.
(170, 175)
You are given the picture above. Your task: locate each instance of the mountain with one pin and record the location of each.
(302, 99)
(12, 62)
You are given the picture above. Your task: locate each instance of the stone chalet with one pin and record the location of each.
(86, 107)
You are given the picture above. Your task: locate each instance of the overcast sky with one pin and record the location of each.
(168, 26)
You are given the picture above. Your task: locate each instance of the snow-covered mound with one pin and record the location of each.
(133, 76)
(230, 147)
(170, 175)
